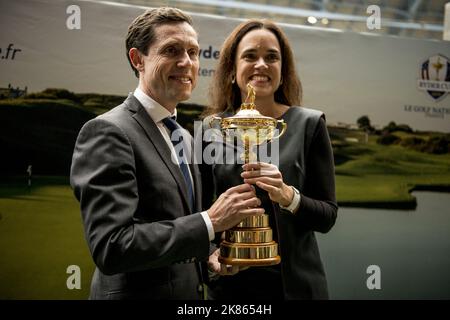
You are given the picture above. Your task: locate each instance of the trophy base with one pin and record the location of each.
(250, 262)
(249, 254)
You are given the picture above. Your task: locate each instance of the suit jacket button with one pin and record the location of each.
(200, 288)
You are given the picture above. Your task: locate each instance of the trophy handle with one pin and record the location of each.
(283, 129)
(214, 118)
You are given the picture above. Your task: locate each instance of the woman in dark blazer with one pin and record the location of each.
(299, 193)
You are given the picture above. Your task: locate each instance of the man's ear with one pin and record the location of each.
(136, 59)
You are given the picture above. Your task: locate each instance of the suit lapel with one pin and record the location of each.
(154, 135)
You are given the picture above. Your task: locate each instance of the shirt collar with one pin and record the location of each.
(156, 111)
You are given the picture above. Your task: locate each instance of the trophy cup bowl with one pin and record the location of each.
(250, 243)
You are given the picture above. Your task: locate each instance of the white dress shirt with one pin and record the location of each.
(157, 112)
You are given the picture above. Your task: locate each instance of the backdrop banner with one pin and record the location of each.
(387, 106)
(344, 74)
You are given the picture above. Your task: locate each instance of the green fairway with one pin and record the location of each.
(41, 232)
(377, 173)
(40, 236)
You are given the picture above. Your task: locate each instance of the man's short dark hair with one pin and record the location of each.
(141, 32)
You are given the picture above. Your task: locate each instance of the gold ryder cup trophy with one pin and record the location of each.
(250, 243)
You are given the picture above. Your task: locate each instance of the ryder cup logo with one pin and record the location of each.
(435, 77)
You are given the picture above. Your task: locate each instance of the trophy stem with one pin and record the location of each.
(247, 149)
(248, 155)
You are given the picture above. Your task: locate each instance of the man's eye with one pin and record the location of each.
(193, 53)
(172, 51)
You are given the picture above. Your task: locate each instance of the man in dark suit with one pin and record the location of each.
(140, 201)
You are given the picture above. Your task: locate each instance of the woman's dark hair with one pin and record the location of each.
(225, 95)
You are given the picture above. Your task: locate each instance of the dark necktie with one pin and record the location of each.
(172, 125)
